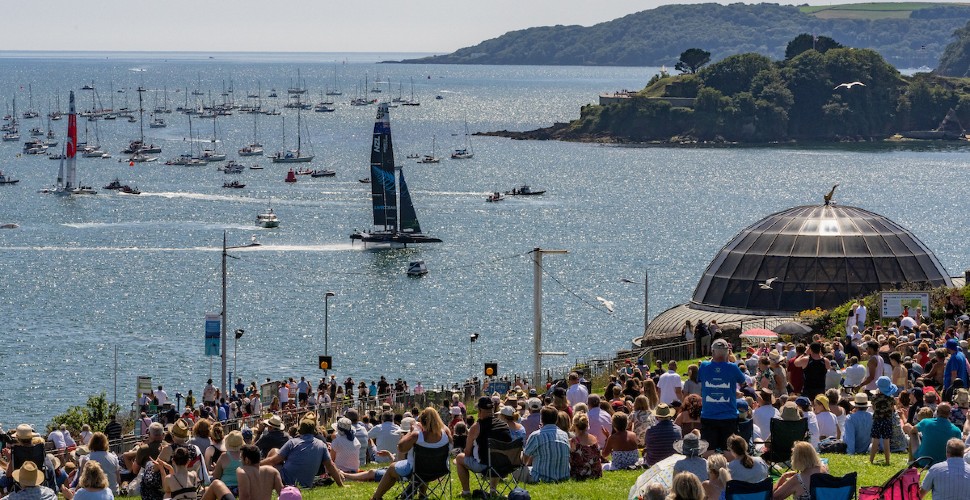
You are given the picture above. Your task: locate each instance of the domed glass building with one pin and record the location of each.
(819, 256)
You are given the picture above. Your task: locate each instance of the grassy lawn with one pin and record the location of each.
(871, 7)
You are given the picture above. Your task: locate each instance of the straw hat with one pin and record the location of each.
(180, 429)
(274, 422)
(406, 425)
(25, 432)
(790, 412)
(861, 400)
(692, 445)
(28, 475)
(55, 462)
(664, 411)
(961, 397)
(234, 441)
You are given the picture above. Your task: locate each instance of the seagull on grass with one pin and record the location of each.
(848, 85)
(767, 284)
(608, 304)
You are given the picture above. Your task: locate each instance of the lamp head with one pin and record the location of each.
(330, 294)
(473, 337)
(239, 333)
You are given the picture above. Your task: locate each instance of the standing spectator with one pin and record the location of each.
(814, 368)
(688, 332)
(883, 407)
(670, 385)
(956, 365)
(719, 384)
(302, 392)
(548, 450)
(949, 480)
(860, 315)
(161, 396)
(209, 394)
(577, 392)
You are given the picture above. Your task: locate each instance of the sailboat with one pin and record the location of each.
(67, 173)
(30, 113)
(254, 148)
(336, 88)
(431, 158)
(412, 101)
(293, 155)
(467, 151)
(138, 146)
(210, 154)
(11, 132)
(393, 209)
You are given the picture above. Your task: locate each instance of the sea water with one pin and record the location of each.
(83, 276)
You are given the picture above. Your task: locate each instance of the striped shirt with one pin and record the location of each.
(948, 480)
(660, 440)
(549, 449)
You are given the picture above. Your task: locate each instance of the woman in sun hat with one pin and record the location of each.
(883, 405)
(346, 447)
(230, 461)
(511, 417)
(692, 447)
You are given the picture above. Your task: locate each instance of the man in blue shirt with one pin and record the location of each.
(300, 457)
(956, 366)
(858, 426)
(719, 384)
(548, 450)
(933, 433)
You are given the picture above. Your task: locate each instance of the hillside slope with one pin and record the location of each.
(658, 36)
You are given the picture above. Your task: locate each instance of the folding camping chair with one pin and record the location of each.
(504, 458)
(743, 490)
(431, 477)
(904, 485)
(828, 487)
(784, 435)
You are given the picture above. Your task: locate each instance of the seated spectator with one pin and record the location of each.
(302, 456)
(686, 486)
(805, 405)
(661, 437)
(933, 433)
(805, 462)
(621, 447)
(692, 447)
(689, 417)
(854, 374)
(548, 450)
(744, 467)
(584, 451)
(949, 479)
(642, 419)
(718, 474)
(858, 426)
(828, 425)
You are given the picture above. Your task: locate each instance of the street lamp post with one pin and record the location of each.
(235, 349)
(222, 336)
(326, 324)
(646, 297)
(471, 367)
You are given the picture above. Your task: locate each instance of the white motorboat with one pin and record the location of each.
(267, 219)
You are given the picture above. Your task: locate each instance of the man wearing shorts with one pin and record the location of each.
(719, 384)
(475, 456)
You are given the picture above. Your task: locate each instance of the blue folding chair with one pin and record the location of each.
(827, 487)
(743, 490)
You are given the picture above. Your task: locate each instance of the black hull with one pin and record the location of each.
(393, 238)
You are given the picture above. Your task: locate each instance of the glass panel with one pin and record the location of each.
(773, 267)
(888, 271)
(782, 245)
(911, 269)
(831, 270)
(897, 246)
(861, 270)
(761, 245)
(748, 268)
(715, 292)
(855, 246)
(830, 246)
(878, 246)
(801, 270)
(731, 260)
(736, 294)
(805, 246)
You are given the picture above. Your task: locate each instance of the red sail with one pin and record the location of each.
(72, 130)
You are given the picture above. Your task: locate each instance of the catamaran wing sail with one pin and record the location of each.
(70, 180)
(383, 191)
(409, 219)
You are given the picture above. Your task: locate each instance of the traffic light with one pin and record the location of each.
(491, 369)
(326, 362)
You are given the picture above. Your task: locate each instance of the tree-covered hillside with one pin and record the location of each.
(656, 37)
(956, 57)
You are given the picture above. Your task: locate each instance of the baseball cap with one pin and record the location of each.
(953, 344)
(803, 402)
(535, 404)
(485, 403)
(720, 344)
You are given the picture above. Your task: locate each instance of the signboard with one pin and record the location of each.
(893, 302)
(267, 392)
(213, 332)
(325, 362)
(143, 385)
(499, 387)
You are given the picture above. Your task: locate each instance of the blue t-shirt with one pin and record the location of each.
(302, 457)
(957, 363)
(719, 385)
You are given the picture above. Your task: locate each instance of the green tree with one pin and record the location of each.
(734, 74)
(691, 60)
(96, 413)
(956, 57)
(804, 42)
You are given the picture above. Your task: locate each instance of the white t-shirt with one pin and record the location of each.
(757, 473)
(860, 316)
(827, 424)
(162, 397)
(209, 393)
(762, 416)
(284, 394)
(57, 438)
(577, 393)
(668, 383)
(854, 375)
(347, 453)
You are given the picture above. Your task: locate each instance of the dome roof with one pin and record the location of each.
(822, 256)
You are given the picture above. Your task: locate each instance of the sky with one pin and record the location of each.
(439, 26)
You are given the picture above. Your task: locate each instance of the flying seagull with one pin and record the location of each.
(848, 85)
(767, 284)
(608, 304)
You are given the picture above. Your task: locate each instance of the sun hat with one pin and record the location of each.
(234, 441)
(823, 400)
(80, 451)
(386, 407)
(55, 462)
(692, 445)
(803, 402)
(180, 429)
(25, 432)
(767, 396)
(28, 475)
(886, 386)
(961, 397)
(290, 493)
(485, 403)
(342, 424)
(790, 412)
(507, 411)
(774, 357)
(274, 422)
(535, 404)
(663, 410)
(406, 425)
(861, 400)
